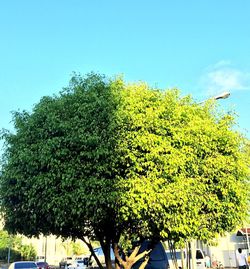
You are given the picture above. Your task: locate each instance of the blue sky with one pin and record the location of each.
(201, 47)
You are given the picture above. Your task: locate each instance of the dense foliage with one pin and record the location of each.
(104, 159)
(187, 175)
(12, 247)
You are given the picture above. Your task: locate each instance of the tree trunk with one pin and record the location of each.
(189, 255)
(106, 251)
(193, 253)
(182, 259)
(172, 252)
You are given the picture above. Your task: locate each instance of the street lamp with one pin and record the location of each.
(192, 245)
(223, 95)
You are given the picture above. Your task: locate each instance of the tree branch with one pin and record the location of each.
(143, 265)
(141, 255)
(117, 255)
(88, 243)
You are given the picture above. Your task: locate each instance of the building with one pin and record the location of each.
(53, 249)
(225, 250)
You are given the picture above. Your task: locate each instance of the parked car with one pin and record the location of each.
(42, 265)
(65, 262)
(200, 259)
(23, 265)
(40, 258)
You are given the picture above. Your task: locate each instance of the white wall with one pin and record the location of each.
(225, 250)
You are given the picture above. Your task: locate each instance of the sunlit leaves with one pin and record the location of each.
(185, 170)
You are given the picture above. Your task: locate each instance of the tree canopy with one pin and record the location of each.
(105, 158)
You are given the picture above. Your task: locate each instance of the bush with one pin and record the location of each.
(14, 255)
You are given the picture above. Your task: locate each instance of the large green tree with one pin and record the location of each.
(104, 159)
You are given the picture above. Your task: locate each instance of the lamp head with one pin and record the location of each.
(223, 95)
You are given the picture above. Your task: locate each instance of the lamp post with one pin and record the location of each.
(45, 251)
(8, 255)
(192, 244)
(9, 248)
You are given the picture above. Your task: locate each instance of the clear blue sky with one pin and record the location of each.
(201, 47)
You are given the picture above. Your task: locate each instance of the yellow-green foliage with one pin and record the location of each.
(186, 174)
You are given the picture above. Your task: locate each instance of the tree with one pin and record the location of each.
(78, 248)
(74, 247)
(66, 149)
(13, 246)
(9, 245)
(28, 252)
(104, 159)
(7, 240)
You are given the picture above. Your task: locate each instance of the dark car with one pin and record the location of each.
(157, 258)
(23, 265)
(42, 265)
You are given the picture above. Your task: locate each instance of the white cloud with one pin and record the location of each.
(222, 77)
